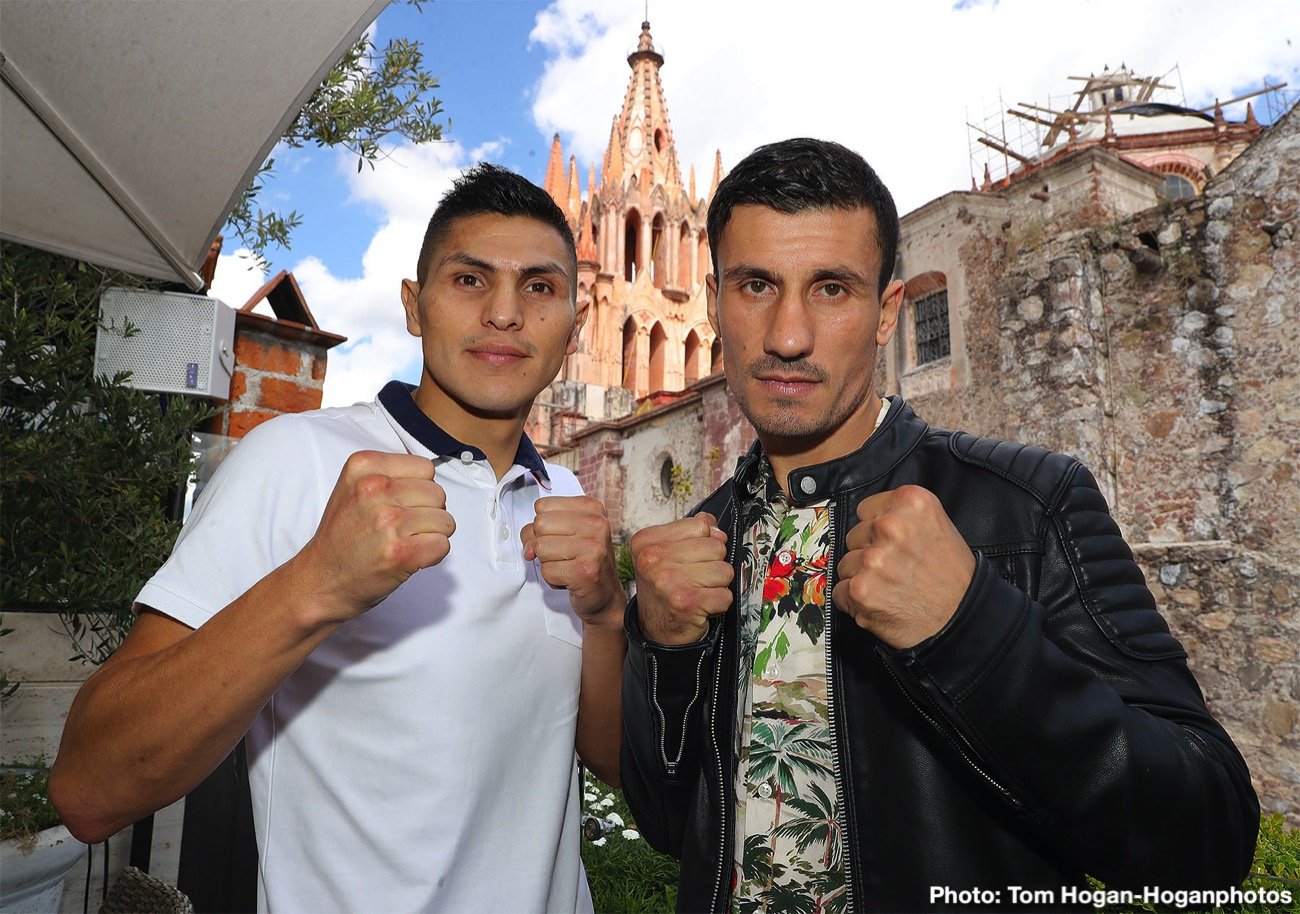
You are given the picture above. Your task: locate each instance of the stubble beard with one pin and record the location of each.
(785, 420)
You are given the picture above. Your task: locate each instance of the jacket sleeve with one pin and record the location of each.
(1079, 705)
(664, 691)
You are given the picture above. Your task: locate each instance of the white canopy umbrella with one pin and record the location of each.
(128, 128)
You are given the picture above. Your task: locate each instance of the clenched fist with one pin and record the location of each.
(385, 520)
(682, 578)
(905, 568)
(571, 540)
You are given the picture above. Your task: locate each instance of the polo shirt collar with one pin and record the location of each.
(398, 398)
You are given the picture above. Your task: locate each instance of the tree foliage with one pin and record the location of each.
(89, 464)
(369, 98)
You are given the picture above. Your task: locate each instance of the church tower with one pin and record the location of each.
(643, 254)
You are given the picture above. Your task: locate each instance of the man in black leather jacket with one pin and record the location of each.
(917, 673)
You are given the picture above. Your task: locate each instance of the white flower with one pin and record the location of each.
(605, 803)
(589, 797)
(599, 842)
(631, 834)
(614, 818)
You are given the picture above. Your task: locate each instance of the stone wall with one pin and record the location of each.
(1238, 614)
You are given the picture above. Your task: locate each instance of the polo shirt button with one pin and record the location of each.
(467, 456)
(504, 533)
(808, 485)
(765, 790)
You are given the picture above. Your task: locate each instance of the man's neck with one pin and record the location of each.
(497, 437)
(789, 454)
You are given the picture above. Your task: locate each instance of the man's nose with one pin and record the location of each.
(504, 310)
(789, 332)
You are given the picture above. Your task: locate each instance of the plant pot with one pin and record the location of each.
(31, 880)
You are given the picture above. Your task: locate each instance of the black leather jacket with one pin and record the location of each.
(1050, 730)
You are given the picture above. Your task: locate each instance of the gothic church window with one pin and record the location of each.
(684, 280)
(632, 246)
(658, 252)
(629, 354)
(692, 360)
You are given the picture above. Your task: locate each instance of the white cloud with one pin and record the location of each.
(236, 278)
(897, 82)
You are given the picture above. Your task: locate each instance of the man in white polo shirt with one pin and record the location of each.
(414, 618)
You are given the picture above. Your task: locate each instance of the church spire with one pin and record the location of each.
(586, 240)
(573, 199)
(553, 183)
(643, 136)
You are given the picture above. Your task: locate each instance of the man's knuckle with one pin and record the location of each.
(373, 485)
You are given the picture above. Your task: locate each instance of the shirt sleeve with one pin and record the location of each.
(261, 506)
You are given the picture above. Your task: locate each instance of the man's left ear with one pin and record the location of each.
(411, 305)
(891, 303)
(579, 318)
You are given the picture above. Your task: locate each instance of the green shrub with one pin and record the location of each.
(627, 876)
(89, 463)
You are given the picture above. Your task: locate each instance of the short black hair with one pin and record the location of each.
(800, 174)
(488, 188)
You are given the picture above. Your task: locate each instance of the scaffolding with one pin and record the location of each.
(1002, 139)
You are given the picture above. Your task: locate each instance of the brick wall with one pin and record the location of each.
(276, 372)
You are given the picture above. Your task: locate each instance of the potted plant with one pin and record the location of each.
(36, 850)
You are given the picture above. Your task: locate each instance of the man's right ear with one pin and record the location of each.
(711, 301)
(411, 304)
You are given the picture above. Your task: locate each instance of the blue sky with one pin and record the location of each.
(898, 82)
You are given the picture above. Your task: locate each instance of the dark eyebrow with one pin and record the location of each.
(744, 272)
(548, 268)
(467, 260)
(843, 275)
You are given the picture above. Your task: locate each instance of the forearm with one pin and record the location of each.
(600, 717)
(161, 714)
(1112, 751)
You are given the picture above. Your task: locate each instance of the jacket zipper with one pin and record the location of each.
(830, 713)
(670, 768)
(727, 810)
(957, 741)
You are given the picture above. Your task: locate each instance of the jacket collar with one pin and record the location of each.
(899, 432)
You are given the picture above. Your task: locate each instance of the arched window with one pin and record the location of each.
(632, 246)
(1176, 187)
(705, 265)
(658, 252)
(629, 354)
(684, 257)
(658, 347)
(927, 302)
(692, 361)
(715, 357)
(659, 140)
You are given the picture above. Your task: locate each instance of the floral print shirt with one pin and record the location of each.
(788, 841)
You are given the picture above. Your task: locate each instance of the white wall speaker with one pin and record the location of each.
(170, 342)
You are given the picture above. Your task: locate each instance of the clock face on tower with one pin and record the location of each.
(634, 141)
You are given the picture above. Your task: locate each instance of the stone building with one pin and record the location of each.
(1086, 303)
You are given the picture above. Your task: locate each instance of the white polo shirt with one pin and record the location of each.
(422, 758)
